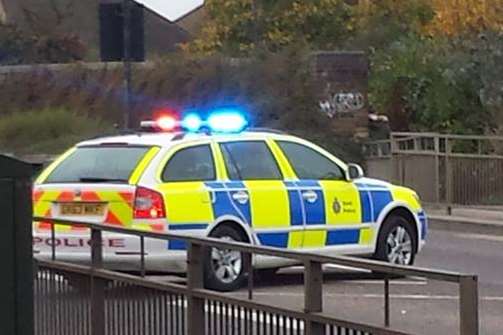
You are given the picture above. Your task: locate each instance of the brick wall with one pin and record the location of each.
(342, 86)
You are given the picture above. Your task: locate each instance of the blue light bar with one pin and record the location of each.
(227, 121)
(192, 122)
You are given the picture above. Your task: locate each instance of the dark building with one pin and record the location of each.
(82, 19)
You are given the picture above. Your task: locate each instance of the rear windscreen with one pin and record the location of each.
(98, 164)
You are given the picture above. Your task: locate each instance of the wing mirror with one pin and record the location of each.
(355, 171)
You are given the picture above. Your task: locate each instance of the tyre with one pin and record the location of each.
(224, 268)
(396, 242)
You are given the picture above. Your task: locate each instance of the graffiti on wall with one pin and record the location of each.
(343, 103)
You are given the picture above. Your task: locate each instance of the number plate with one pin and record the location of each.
(83, 209)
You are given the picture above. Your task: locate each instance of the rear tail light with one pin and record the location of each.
(148, 204)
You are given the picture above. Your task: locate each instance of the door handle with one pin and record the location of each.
(310, 196)
(241, 197)
(210, 198)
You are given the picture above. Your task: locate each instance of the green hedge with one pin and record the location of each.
(48, 131)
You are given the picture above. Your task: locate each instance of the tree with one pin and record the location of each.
(237, 27)
(21, 47)
(39, 41)
(487, 50)
(460, 16)
(430, 85)
(13, 44)
(378, 23)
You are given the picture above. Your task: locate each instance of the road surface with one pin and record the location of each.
(417, 306)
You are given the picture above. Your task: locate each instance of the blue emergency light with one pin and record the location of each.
(227, 121)
(192, 122)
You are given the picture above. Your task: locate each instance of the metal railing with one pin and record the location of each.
(462, 169)
(89, 299)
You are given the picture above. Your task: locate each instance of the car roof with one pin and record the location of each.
(169, 139)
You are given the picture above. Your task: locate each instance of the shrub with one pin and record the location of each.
(46, 131)
(429, 84)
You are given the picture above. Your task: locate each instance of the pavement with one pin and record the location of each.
(480, 219)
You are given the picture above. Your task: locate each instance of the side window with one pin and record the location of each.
(250, 160)
(310, 164)
(190, 164)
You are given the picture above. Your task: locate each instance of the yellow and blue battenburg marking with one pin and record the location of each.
(223, 204)
(314, 213)
(308, 222)
(373, 198)
(424, 225)
(181, 227)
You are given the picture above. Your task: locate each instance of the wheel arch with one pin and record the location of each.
(403, 210)
(235, 223)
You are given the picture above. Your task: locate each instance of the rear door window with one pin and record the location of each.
(190, 164)
(114, 164)
(250, 160)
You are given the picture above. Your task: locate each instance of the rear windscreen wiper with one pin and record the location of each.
(101, 180)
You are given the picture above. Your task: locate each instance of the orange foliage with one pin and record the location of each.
(457, 16)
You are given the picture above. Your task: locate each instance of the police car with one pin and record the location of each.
(214, 178)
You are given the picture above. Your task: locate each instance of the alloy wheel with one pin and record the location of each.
(399, 246)
(227, 264)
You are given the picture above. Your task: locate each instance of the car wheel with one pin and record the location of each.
(224, 268)
(396, 242)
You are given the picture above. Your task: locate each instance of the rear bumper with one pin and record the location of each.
(120, 252)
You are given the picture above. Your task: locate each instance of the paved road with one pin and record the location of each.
(418, 306)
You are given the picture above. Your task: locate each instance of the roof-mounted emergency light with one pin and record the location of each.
(225, 120)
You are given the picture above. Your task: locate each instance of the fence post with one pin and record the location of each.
(448, 172)
(468, 305)
(394, 168)
(97, 285)
(437, 169)
(195, 280)
(313, 295)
